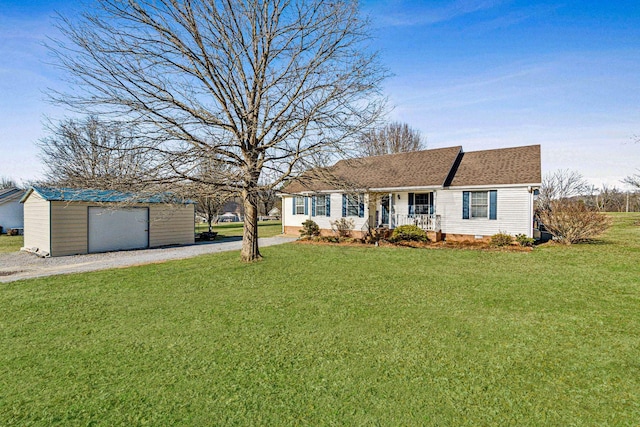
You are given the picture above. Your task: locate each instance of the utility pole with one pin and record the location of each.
(627, 201)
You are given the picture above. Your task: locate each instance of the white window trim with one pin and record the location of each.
(488, 202)
(301, 205)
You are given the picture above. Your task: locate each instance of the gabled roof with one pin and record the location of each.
(9, 194)
(100, 196)
(515, 165)
(441, 167)
(426, 168)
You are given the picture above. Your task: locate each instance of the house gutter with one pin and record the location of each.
(530, 186)
(396, 189)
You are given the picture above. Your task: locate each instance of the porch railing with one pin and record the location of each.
(428, 222)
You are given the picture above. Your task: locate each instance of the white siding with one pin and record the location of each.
(288, 218)
(324, 222)
(36, 223)
(514, 213)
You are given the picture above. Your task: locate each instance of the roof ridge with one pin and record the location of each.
(504, 148)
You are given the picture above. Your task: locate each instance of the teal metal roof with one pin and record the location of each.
(101, 196)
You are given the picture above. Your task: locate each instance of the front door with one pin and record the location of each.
(384, 220)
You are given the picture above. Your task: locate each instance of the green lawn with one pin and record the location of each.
(234, 229)
(330, 335)
(10, 243)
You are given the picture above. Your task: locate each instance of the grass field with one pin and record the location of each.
(330, 335)
(10, 243)
(234, 229)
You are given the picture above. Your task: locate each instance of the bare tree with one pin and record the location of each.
(564, 213)
(6, 182)
(633, 180)
(561, 184)
(266, 86)
(209, 199)
(392, 138)
(268, 199)
(89, 153)
(571, 221)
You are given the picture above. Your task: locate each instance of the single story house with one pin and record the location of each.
(11, 212)
(67, 221)
(452, 194)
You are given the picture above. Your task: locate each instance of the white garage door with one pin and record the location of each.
(117, 229)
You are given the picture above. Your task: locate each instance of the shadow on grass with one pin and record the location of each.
(220, 239)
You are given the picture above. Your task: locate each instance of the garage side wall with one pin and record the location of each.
(171, 224)
(69, 228)
(36, 223)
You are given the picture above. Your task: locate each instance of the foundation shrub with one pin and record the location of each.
(309, 229)
(409, 233)
(501, 239)
(342, 227)
(523, 240)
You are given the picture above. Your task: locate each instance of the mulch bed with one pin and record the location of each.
(428, 245)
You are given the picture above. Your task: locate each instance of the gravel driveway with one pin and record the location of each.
(21, 265)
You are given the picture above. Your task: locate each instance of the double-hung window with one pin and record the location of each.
(299, 205)
(353, 205)
(320, 205)
(480, 204)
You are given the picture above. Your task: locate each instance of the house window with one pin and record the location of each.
(353, 205)
(299, 205)
(321, 206)
(479, 204)
(423, 203)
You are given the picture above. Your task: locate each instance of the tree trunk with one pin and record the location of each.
(250, 251)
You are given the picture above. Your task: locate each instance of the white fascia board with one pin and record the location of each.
(396, 189)
(489, 186)
(307, 193)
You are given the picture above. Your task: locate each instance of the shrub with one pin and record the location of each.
(309, 229)
(328, 239)
(523, 240)
(342, 227)
(571, 221)
(501, 239)
(409, 233)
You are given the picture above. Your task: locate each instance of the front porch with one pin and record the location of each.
(392, 210)
(395, 209)
(427, 222)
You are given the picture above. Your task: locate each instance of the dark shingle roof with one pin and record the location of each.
(100, 196)
(516, 165)
(12, 193)
(415, 169)
(427, 168)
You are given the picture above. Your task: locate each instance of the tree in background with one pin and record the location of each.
(633, 180)
(89, 153)
(266, 86)
(6, 182)
(209, 199)
(268, 199)
(394, 137)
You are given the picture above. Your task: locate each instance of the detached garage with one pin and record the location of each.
(64, 221)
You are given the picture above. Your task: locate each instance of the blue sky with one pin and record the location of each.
(477, 73)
